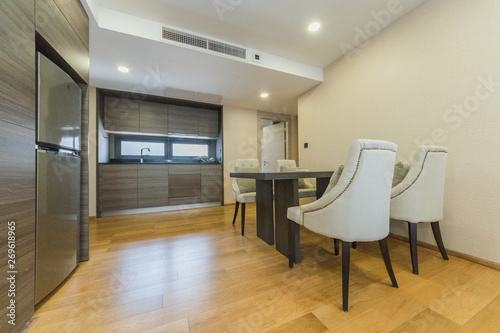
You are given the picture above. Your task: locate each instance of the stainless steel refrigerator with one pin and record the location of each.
(58, 176)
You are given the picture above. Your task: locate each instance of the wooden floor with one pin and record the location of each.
(191, 271)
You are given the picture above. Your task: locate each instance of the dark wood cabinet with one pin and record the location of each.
(211, 183)
(17, 62)
(121, 114)
(152, 186)
(118, 187)
(57, 31)
(182, 120)
(75, 14)
(123, 187)
(184, 184)
(17, 207)
(208, 123)
(153, 118)
(17, 161)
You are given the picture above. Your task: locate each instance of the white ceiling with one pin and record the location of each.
(128, 32)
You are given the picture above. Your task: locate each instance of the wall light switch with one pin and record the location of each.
(306, 145)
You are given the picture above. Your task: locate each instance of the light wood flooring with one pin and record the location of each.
(191, 271)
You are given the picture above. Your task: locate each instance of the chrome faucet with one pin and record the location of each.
(142, 156)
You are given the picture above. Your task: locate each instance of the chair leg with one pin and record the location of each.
(354, 245)
(387, 260)
(346, 260)
(236, 211)
(336, 246)
(412, 232)
(439, 241)
(243, 218)
(291, 242)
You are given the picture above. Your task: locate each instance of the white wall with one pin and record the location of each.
(240, 141)
(433, 77)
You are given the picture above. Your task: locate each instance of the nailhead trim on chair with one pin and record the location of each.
(421, 169)
(350, 181)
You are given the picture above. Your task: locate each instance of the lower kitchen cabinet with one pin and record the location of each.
(184, 184)
(117, 187)
(123, 186)
(211, 183)
(152, 186)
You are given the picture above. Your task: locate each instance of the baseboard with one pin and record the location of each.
(465, 256)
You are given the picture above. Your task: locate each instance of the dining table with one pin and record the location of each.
(283, 189)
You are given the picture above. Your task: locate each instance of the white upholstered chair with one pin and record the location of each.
(244, 189)
(356, 208)
(417, 195)
(306, 189)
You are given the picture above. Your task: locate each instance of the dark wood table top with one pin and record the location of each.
(282, 175)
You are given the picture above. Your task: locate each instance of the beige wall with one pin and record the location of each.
(433, 77)
(240, 141)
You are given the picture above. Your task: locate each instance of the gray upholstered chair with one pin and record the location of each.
(306, 189)
(417, 195)
(356, 208)
(244, 189)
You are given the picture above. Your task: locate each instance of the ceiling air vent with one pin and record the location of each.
(202, 42)
(184, 38)
(227, 49)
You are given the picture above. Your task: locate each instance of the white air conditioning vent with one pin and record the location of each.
(203, 43)
(227, 49)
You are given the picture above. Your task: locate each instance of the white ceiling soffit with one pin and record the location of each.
(129, 33)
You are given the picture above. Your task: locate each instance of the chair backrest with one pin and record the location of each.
(357, 207)
(285, 164)
(242, 185)
(419, 197)
(246, 163)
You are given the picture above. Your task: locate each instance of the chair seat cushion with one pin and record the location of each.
(246, 197)
(295, 214)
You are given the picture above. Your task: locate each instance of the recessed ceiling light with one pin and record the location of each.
(264, 95)
(123, 69)
(314, 26)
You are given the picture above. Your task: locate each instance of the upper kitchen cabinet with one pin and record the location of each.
(208, 123)
(153, 118)
(63, 24)
(17, 62)
(183, 120)
(121, 114)
(193, 121)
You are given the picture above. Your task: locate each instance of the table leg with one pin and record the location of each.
(286, 194)
(321, 185)
(264, 199)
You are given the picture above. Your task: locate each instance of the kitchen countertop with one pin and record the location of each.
(154, 162)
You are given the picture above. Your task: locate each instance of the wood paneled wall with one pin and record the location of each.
(56, 30)
(83, 254)
(17, 161)
(60, 22)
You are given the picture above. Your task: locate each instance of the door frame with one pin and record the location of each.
(274, 117)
